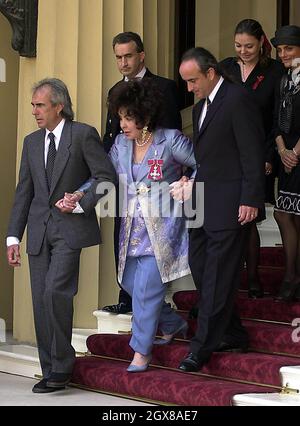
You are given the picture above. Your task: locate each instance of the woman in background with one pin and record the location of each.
(287, 208)
(259, 74)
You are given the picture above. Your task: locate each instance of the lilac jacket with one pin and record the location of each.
(165, 223)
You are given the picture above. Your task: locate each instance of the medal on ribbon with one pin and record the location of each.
(155, 170)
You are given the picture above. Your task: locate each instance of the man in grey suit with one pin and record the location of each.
(56, 159)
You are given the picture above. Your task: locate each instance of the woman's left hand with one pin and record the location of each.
(182, 190)
(68, 203)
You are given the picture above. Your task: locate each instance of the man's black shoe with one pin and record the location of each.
(41, 387)
(193, 313)
(287, 291)
(238, 347)
(191, 363)
(255, 290)
(58, 380)
(120, 308)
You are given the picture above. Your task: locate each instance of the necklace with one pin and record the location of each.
(144, 140)
(246, 72)
(244, 76)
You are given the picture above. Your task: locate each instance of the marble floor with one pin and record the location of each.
(16, 391)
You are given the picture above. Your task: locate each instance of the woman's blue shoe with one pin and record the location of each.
(137, 368)
(132, 368)
(183, 329)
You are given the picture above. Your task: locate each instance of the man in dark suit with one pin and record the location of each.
(129, 50)
(228, 143)
(56, 159)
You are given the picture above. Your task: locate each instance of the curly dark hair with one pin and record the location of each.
(141, 99)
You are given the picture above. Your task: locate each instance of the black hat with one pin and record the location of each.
(289, 35)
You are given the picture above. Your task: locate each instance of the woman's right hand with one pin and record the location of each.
(289, 159)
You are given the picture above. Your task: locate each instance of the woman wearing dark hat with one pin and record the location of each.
(287, 208)
(259, 74)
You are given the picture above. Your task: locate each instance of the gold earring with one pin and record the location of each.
(144, 132)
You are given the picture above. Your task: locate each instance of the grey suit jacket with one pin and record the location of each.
(79, 156)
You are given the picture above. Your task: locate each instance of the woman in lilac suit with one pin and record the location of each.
(153, 234)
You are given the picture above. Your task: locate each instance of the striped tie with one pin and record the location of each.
(50, 159)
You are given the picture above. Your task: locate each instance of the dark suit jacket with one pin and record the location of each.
(171, 117)
(229, 154)
(79, 156)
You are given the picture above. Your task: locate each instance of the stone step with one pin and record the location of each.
(290, 396)
(112, 323)
(268, 230)
(266, 399)
(290, 378)
(79, 337)
(23, 360)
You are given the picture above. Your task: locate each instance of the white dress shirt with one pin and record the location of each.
(211, 98)
(139, 75)
(57, 135)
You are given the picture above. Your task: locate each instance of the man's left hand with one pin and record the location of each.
(247, 214)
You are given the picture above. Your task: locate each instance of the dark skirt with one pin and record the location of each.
(288, 200)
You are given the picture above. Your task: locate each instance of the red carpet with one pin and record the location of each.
(271, 347)
(252, 366)
(167, 387)
(271, 256)
(265, 308)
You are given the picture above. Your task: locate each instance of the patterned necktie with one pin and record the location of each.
(50, 159)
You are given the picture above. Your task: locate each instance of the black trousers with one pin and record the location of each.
(215, 259)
